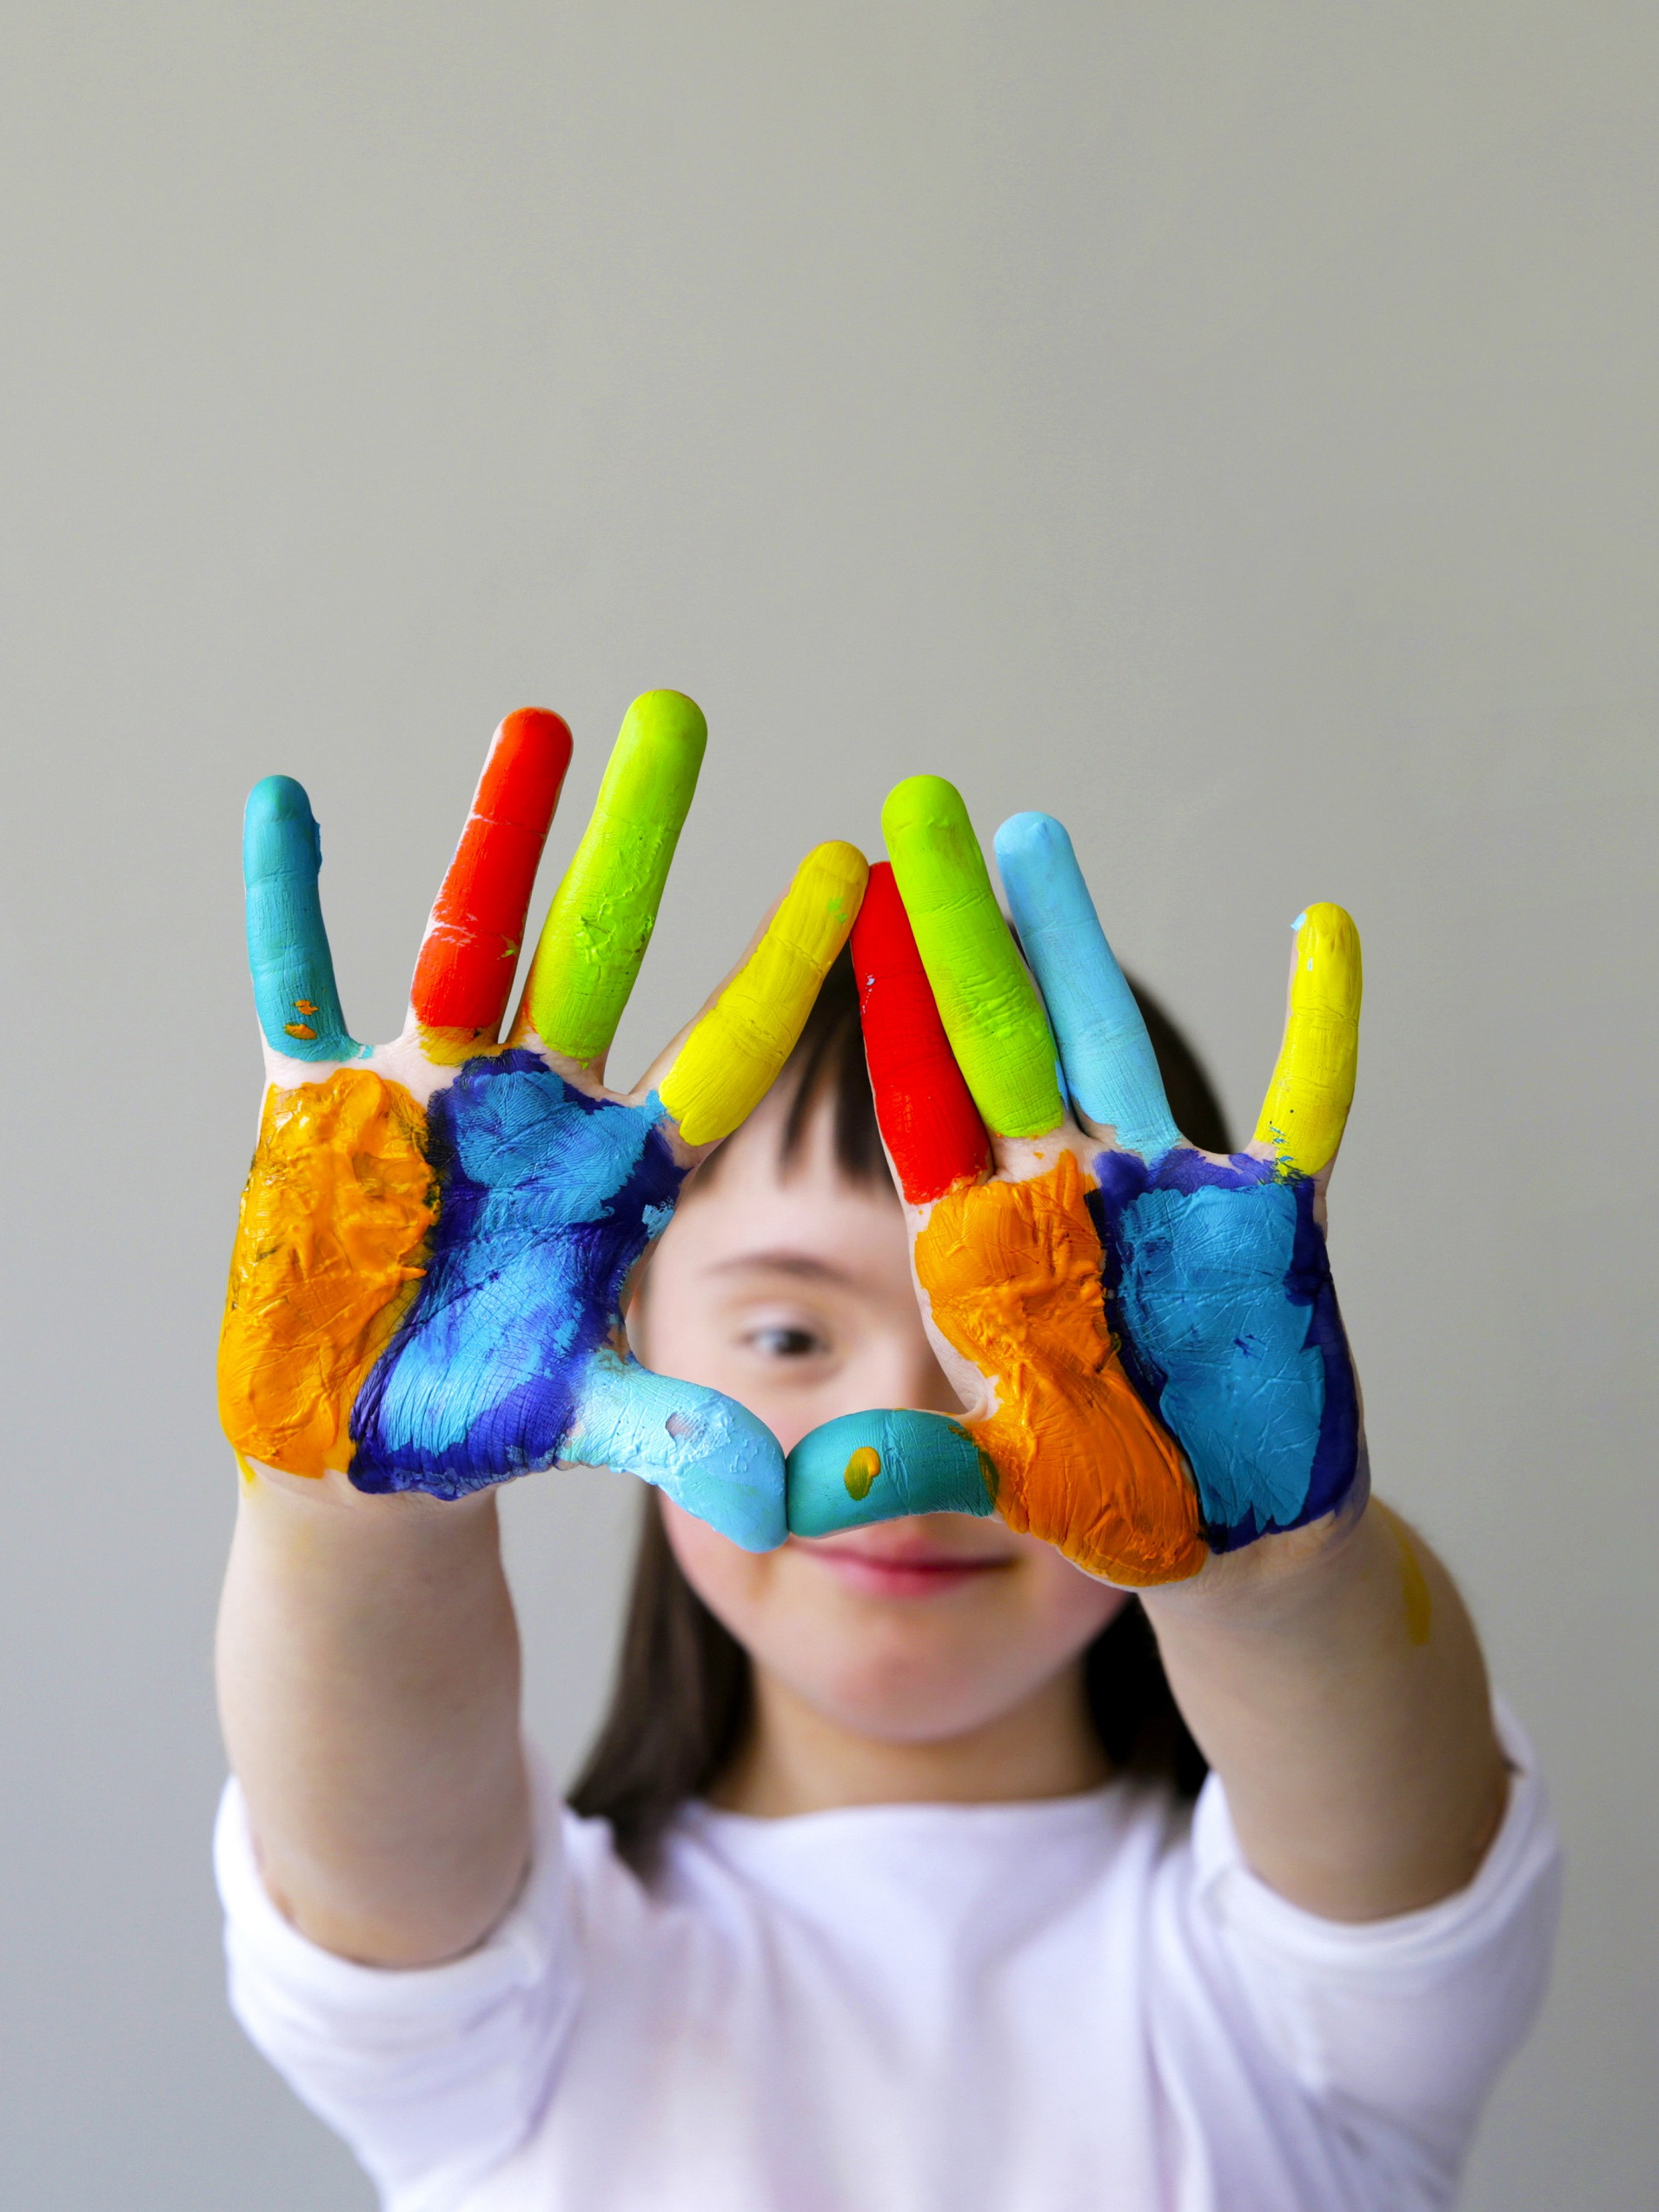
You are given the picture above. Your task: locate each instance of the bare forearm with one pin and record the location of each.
(1335, 1682)
(368, 1674)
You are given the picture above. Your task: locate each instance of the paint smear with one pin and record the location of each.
(1414, 1583)
(1110, 1069)
(731, 1058)
(329, 1253)
(549, 1197)
(287, 946)
(929, 1121)
(926, 1463)
(1013, 1273)
(472, 944)
(1219, 1283)
(861, 1471)
(989, 1005)
(604, 911)
(1312, 1088)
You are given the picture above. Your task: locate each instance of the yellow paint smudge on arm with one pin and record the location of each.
(1013, 1273)
(1414, 1583)
(1306, 1107)
(332, 1233)
(731, 1058)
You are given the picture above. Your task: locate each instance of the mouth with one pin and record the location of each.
(900, 1570)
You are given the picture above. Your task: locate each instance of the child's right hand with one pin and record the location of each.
(437, 1237)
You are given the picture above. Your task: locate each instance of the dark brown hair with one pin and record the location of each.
(681, 1699)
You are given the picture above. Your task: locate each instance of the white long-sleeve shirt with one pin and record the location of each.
(1088, 2004)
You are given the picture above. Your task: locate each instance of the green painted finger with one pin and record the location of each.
(988, 1003)
(605, 909)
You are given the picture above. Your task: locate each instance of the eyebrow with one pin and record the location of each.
(784, 1261)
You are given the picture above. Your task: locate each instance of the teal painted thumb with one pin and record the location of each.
(882, 1466)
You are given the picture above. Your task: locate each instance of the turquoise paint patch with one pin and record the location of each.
(929, 1464)
(705, 1452)
(288, 945)
(1110, 1066)
(1202, 1297)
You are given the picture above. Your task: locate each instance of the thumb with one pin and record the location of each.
(705, 1451)
(885, 1466)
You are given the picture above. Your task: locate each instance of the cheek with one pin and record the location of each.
(733, 1583)
(1071, 1607)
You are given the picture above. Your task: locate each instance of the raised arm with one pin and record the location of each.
(1152, 1368)
(426, 1300)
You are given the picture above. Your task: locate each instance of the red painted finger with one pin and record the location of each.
(471, 947)
(929, 1121)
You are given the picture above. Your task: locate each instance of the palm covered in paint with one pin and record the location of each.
(1144, 1336)
(437, 1234)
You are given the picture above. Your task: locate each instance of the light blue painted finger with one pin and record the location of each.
(882, 1466)
(288, 945)
(705, 1452)
(1110, 1069)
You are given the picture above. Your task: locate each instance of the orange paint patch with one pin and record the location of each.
(1013, 1272)
(454, 1048)
(333, 1228)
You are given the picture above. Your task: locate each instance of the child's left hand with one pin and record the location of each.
(1145, 1336)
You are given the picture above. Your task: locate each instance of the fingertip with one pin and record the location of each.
(538, 738)
(1028, 840)
(1327, 949)
(842, 869)
(279, 830)
(920, 804)
(668, 721)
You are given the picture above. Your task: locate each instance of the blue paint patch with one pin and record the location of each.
(928, 1464)
(295, 994)
(548, 1197)
(705, 1452)
(1219, 1286)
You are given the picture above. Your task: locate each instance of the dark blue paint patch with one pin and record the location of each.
(548, 1197)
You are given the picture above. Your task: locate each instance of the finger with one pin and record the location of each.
(929, 1121)
(1110, 1069)
(731, 1055)
(1306, 1107)
(473, 941)
(288, 945)
(873, 1466)
(705, 1452)
(604, 911)
(990, 1009)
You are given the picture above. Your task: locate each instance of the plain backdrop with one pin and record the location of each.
(1229, 424)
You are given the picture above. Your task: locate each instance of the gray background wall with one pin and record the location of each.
(1229, 424)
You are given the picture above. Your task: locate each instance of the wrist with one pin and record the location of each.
(1279, 1576)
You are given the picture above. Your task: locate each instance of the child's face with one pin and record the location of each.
(794, 1296)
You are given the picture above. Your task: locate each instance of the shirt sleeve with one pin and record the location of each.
(433, 2075)
(1396, 2028)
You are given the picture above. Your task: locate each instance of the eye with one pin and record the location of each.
(784, 1340)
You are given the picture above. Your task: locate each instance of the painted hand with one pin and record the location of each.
(1145, 1336)
(437, 1237)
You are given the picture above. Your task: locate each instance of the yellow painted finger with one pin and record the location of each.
(1307, 1102)
(604, 911)
(731, 1058)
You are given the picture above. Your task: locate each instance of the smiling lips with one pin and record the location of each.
(903, 1569)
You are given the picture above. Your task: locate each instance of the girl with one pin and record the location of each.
(885, 1884)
